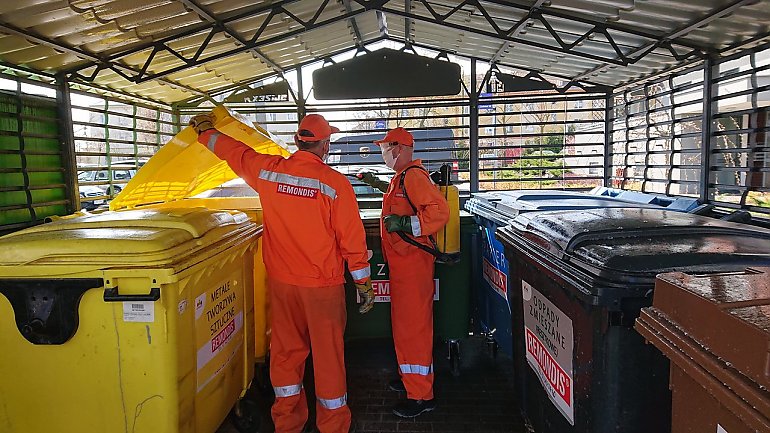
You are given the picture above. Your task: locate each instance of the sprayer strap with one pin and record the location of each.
(402, 184)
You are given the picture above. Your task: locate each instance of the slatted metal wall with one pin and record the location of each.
(739, 160)
(114, 137)
(656, 135)
(659, 128)
(33, 182)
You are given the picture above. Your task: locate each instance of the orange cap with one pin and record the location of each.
(314, 127)
(398, 135)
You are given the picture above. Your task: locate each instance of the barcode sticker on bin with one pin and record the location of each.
(139, 311)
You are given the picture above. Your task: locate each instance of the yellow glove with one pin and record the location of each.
(367, 295)
(202, 123)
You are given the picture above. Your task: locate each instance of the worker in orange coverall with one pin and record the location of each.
(415, 208)
(311, 229)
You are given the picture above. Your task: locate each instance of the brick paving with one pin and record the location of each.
(480, 399)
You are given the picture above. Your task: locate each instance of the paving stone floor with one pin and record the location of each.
(480, 399)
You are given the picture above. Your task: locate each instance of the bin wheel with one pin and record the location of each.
(454, 357)
(246, 417)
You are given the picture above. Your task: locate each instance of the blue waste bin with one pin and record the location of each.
(578, 280)
(495, 209)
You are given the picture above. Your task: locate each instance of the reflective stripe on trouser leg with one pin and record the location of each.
(422, 370)
(411, 297)
(287, 391)
(334, 403)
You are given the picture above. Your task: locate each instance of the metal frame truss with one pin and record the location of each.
(215, 26)
(542, 15)
(212, 25)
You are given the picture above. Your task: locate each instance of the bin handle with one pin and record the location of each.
(112, 295)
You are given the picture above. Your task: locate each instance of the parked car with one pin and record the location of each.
(88, 197)
(100, 178)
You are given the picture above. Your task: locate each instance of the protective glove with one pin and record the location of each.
(370, 179)
(367, 296)
(202, 123)
(398, 223)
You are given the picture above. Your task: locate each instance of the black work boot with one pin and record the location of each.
(412, 408)
(397, 385)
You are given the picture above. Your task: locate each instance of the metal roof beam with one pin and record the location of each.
(502, 34)
(101, 63)
(206, 15)
(305, 26)
(584, 19)
(516, 30)
(353, 25)
(666, 41)
(201, 28)
(407, 23)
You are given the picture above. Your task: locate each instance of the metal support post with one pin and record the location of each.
(710, 70)
(301, 109)
(473, 147)
(608, 121)
(67, 137)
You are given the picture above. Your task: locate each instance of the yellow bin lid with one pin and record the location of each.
(183, 167)
(120, 238)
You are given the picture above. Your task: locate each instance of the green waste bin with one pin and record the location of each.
(451, 308)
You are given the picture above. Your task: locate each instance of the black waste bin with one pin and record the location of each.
(578, 281)
(495, 209)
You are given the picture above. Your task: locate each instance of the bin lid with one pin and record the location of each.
(184, 168)
(727, 314)
(127, 237)
(635, 244)
(501, 206)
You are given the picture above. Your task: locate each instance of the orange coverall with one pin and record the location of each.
(311, 227)
(411, 276)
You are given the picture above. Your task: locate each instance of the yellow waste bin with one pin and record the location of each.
(136, 321)
(181, 174)
(252, 207)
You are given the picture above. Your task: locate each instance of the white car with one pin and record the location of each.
(100, 178)
(88, 197)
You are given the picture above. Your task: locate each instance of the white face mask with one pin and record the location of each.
(325, 157)
(387, 156)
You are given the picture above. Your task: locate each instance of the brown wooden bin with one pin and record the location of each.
(715, 329)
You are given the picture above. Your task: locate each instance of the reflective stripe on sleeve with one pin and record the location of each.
(422, 370)
(213, 140)
(361, 274)
(334, 403)
(416, 228)
(287, 391)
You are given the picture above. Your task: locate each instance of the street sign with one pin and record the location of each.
(486, 105)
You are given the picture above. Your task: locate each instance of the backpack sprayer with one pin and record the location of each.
(446, 245)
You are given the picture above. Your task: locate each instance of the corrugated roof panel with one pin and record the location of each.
(103, 28)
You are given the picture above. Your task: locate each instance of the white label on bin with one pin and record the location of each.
(139, 311)
(548, 340)
(382, 291)
(721, 429)
(200, 305)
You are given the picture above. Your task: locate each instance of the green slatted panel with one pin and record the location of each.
(32, 184)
